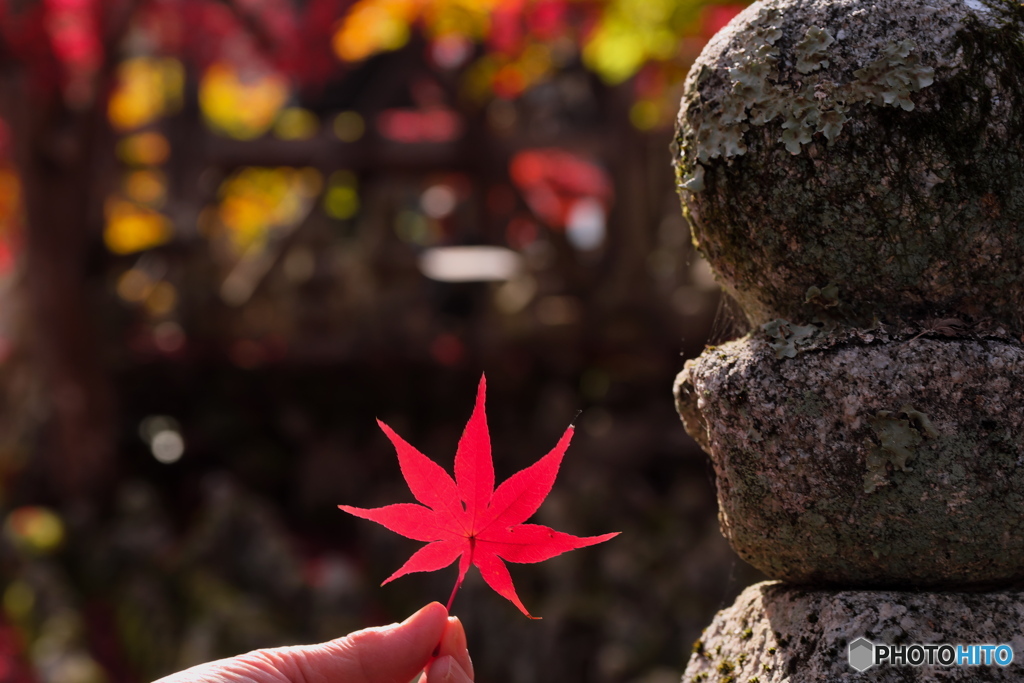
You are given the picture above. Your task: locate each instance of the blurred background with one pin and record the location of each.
(235, 232)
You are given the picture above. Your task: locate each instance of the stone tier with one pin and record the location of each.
(776, 633)
(864, 155)
(867, 464)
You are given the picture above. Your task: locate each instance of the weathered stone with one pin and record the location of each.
(875, 146)
(867, 464)
(775, 633)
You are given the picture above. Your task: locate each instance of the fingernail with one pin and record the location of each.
(442, 669)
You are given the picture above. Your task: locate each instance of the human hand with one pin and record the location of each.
(429, 641)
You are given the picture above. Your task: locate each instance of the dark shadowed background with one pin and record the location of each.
(233, 234)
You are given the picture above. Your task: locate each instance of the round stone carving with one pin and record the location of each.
(876, 147)
(896, 465)
(781, 634)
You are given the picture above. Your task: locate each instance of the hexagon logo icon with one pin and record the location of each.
(862, 654)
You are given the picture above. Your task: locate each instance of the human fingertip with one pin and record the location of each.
(432, 609)
(447, 670)
(454, 628)
(454, 644)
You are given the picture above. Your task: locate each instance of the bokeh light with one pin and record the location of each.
(470, 264)
(242, 105)
(437, 125)
(147, 89)
(554, 181)
(19, 599)
(147, 187)
(585, 224)
(413, 227)
(255, 200)
(163, 435)
(38, 529)
(143, 149)
(132, 227)
(373, 26)
(341, 198)
(167, 446)
(134, 285)
(296, 123)
(349, 126)
(438, 201)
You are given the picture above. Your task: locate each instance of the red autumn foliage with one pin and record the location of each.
(65, 43)
(466, 518)
(552, 180)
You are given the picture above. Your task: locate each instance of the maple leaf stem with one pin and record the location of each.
(458, 585)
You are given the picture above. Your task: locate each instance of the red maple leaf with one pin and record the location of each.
(467, 518)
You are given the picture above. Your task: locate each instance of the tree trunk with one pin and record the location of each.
(55, 151)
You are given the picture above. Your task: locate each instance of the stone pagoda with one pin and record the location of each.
(853, 170)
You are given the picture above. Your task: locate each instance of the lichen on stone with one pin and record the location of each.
(807, 106)
(788, 338)
(895, 171)
(897, 443)
(694, 182)
(898, 438)
(891, 78)
(810, 51)
(720, 132)
(825, 297)
(920, 420)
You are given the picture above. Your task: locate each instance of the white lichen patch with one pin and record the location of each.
(694, 182)
(891, 78)
(898, 440)
(825, 297)
(787, 338)
(811, 51)
(809, 76)
(756, 98)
